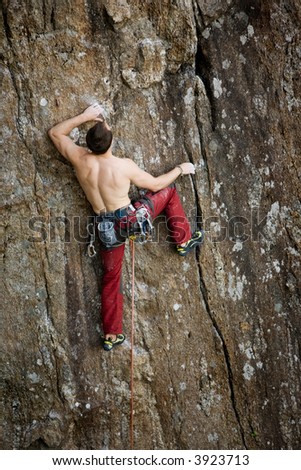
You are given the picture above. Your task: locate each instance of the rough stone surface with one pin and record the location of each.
(217, 352)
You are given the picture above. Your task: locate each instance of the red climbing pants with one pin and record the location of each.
(167, 200)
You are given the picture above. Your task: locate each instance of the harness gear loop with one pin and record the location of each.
(132, 246)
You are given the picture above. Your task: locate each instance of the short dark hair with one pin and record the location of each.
(99, 138)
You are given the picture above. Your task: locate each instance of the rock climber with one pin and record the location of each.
(106, 181)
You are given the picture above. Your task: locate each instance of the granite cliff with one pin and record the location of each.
(217, 353)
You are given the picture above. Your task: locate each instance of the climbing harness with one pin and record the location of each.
(132, 245)
(133, 222)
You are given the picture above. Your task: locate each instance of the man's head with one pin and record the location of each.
(99, 138)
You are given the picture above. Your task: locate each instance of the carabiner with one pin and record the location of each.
(91, 250)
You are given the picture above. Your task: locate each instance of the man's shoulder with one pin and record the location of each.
(85, 159)
(123, 161)
(84, 153)
(127, 161)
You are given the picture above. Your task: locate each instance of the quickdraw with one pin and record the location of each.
(144, 226)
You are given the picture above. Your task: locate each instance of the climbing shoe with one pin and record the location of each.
(196, 239)
(109, 344)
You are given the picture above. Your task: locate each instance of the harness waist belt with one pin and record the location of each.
(119, 213)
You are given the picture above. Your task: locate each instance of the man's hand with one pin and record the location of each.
(187, 168)
(94, 113)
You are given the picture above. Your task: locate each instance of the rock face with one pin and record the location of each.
(217, 335)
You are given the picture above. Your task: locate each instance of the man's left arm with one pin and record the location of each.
(59, 134)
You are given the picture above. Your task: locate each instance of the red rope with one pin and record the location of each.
(132, 244)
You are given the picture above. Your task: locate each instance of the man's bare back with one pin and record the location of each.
(105, 181)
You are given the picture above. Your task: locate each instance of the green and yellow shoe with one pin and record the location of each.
(109, 344)
(196, 239)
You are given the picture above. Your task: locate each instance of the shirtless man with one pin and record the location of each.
(106, 181)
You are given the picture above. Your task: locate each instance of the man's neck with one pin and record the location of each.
(106, 155)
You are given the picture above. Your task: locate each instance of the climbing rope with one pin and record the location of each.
(132, 245)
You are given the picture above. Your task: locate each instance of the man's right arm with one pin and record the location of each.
(59, 134)
(142, 179)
